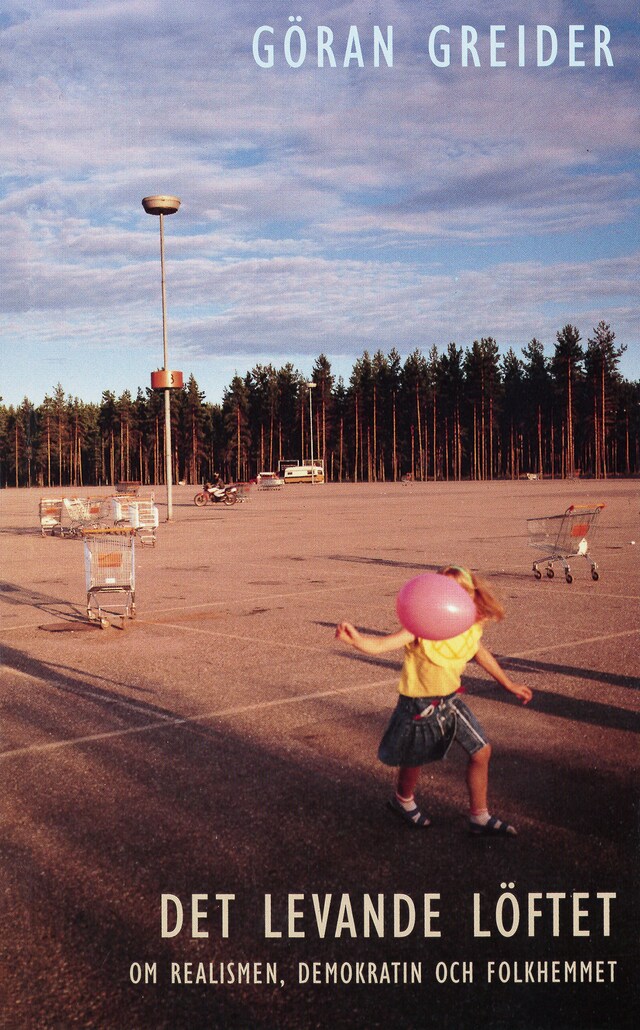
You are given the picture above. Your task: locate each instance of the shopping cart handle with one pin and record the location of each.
(585, 507)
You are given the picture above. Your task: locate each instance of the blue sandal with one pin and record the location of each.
(411, 816)
(493, 828)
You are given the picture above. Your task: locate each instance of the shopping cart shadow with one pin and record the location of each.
(392, 563)
(550, 702)
(20, 531)
(611, 678)
(69, 680)
(579, 709)
(13, 594)
(558, 704)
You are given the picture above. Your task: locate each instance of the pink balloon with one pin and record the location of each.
(435, 607)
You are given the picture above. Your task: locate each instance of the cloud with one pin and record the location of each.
(311, 304)
(322, 209)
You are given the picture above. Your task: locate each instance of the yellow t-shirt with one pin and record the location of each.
(432, 668)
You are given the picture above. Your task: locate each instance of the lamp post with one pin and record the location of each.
(165, 380)
(311, 387)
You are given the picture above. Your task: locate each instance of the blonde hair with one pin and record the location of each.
(487, 604)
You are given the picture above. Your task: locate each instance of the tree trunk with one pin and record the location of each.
(420, 451)
(355, 443)
(395, 439)
(604, 421)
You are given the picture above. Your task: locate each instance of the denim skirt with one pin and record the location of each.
(412, 738)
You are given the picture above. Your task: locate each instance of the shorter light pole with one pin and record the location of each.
(311, 387)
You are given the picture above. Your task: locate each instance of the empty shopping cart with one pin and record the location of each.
(109, 561)
(565, 536)
(84, 513)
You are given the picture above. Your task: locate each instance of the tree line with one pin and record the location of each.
(451, 415)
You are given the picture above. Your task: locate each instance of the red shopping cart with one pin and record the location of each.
(565, 536)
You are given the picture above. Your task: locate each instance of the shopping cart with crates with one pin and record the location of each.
(50, 512)
(144, 519)
(109, 561)
(120, 505)
(565, 536)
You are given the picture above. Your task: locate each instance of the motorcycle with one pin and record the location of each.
(216, 495)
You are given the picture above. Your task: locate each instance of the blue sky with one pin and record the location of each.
(324, 210)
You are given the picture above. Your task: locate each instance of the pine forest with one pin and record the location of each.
(457, 414)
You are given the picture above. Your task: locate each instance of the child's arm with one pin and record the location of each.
(487, 662)
(369, 644)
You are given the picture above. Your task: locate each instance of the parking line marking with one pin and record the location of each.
(168, 720)
(305, 647)
(263, 598)
(575, 643)
(165, 721)
(270, 642)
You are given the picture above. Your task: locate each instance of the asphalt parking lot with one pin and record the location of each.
(221, 750)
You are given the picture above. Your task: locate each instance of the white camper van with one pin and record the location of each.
(303, 474)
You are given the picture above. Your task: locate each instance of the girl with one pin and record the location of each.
(430, 714)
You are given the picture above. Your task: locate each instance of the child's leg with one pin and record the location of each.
(408, 776)
(478, 783)
(403, 804)
(478, 779)
(471, 736)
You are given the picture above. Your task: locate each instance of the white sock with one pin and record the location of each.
(480, 818)
(407, 803)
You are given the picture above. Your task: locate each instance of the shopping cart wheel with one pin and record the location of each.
(569, 577)
(537, 573)
(595, 574)
(550, 573)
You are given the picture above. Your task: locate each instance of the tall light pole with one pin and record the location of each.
(165, 380)
(311, 387)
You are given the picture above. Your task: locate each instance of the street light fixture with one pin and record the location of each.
(165, 380)
(311, 387)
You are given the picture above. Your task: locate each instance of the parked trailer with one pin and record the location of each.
(304, 474)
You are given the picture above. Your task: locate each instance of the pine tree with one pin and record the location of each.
(601, 366)
(537, 401)
(566, 368)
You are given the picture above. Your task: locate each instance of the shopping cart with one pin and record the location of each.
(84, 513)
(50, 515)
(144, 519)
(109, 562)
(564, 536)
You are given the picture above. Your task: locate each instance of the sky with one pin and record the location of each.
(397, 203)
